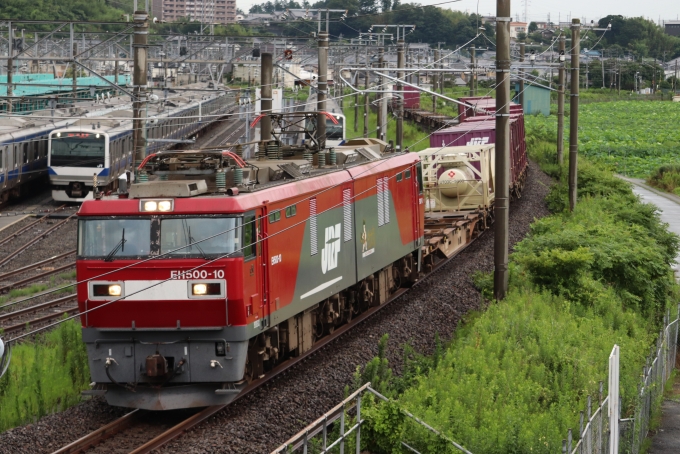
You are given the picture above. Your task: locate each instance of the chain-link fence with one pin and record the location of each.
(594, 437)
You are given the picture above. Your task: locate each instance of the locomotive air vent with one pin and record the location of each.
(172, 188)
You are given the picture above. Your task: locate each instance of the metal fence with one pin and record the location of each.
(339, 430)
(594, 436)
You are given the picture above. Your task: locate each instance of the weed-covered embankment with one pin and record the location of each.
(516, 376)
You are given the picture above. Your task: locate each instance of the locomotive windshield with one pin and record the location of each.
(77, 149)
(221, 236)
(111, 239)
(114, 237)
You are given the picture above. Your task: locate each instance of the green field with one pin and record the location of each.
(633, 138)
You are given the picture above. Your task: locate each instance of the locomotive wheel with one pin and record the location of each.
(248, 373)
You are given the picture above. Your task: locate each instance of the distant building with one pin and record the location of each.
(542, 25)
(536, 99)
(673, 27)
(518, 27)
(205, 11)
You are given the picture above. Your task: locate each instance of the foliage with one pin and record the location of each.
(666, 178)
(640, 36)
(515, 376)
(633, 138)
(45, 376)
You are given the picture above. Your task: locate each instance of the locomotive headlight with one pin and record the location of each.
(150, 205)
(105, 290)
(199, 289)
(164, 205)
(58, 134)
(206, 289)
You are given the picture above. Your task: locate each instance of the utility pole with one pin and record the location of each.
(602, 64)
(472, 71)
(75, 72)
(400, 92)
(522, 51)
(502, 165)
(115, 73)
(560, 101)
(441, 66)
(356, 95)
(266, 69)
(573, 113)
(139, 81)
(322, 88)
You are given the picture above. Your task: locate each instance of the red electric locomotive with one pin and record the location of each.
(197, 282)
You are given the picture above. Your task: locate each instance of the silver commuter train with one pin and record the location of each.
(24, 142)
(104, 146)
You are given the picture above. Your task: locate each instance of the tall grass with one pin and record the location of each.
(44, 376)
(666, 178)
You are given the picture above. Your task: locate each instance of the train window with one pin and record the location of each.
(399, 177)
(275, 216)
(291, 211)
(36, 149)
(407, 174)
(2, 153)
(200, 236)
(15, 156)
(25, 153)
(249, 236)
(114, 237)
(78, 150)
(314, 246)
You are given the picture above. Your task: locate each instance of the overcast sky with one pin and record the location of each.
(538, 10)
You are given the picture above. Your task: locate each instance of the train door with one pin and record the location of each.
(416, 198)
(265, 310)
(3, 167)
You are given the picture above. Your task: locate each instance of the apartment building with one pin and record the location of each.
(205, 11)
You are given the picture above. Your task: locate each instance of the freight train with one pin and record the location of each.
(198, 282)
(103, 147)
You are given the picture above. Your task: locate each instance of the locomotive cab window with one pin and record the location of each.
(249, 236)
(204, 236)
(407, 174)
(114, 238)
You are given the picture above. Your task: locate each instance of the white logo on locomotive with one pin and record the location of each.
(329, 254)
(478, 141)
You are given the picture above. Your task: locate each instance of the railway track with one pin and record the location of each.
(35, 240)
(9, 323)
(35, 266)
(130, 419)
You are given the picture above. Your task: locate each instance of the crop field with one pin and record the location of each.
(633, 138)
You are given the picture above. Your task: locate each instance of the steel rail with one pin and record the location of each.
(37, 321)
(201, 416)
(36, 308)
(37, 277)
(32, 242)
(36, 265)
(101, 434)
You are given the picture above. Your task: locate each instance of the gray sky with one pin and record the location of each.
(538, 9)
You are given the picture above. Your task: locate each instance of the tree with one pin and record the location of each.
(521, 36)
(532, 27)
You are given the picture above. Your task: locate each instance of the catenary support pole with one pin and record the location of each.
(366, 95)
(522, 51)
(323, 89)
(356, 95)
(381, 120)
(560, 101)
(266, 70)
(434, 81)
(573, 113)
(472, 71)
(502, 165)
(10, 70)
(400, 95)
(139, 83)
(74, 79)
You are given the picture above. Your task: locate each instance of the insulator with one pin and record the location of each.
(221, 181)
(143, 177)
(163, 177)
(332, 157)
(239, 150)
(273, 150)
(261, 152)
(322, 160)
(238, 176)
(307, 156)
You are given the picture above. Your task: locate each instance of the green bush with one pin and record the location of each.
(666, 178)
